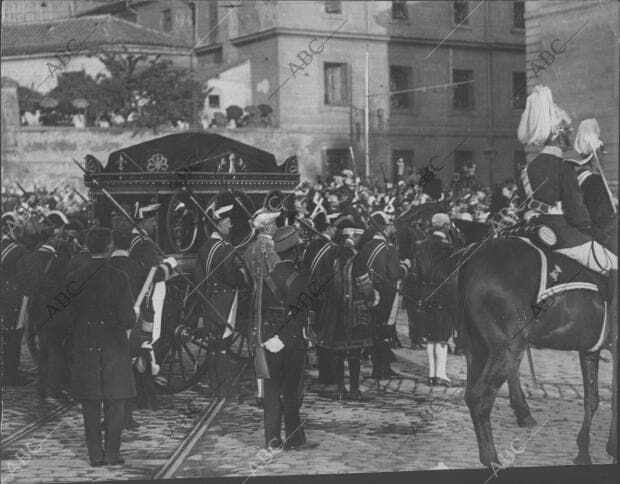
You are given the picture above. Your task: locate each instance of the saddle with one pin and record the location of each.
(559, 273)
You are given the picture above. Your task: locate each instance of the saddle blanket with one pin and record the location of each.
(559, 274)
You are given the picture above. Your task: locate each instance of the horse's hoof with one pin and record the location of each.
(527, 422)
(582, 460)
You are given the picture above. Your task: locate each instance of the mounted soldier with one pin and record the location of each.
(347, 322)
(596, 194)
(551, 187)
(13, 306)
(260, 259)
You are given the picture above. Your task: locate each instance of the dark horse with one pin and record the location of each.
(497, 288)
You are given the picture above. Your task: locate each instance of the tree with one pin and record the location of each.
(151, 89)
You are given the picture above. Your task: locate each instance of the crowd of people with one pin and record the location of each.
(323, 274)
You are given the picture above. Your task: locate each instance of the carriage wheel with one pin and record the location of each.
(239, 347)
(181, 352)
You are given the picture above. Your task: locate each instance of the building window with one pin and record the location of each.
(166, 20)
(402, 164)
(399, 10)
(333, 6)
(461, 13)
(518, 90)
(336, 161)
(463, 93)
(518, 15)
(462, 158)
(400, 80)
(214, 101)
(336, 84)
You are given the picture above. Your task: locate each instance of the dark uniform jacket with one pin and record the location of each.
(120, 260)
(381, 259)
(41, 278)
(348, 322)
(596, 199)
(220, 288)
(12, 296)
(103, 311)
(144, 252)
(437, 313)
(319, 263)
(553, 180)
(286, 300)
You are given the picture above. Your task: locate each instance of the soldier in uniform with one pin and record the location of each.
(12, 302)
(102, 375)
(142, 251)
(348, 324)
(260, 251)
(40, 276)
(226, 275)
(595, 195)
(120, 260)
(285, 307)
(319, 262)
(381, 259)
(550, 185)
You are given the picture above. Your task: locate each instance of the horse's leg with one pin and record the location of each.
(517, 398)
(589, 372)
(475, 357)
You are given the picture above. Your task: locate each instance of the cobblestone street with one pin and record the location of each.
(373, 436)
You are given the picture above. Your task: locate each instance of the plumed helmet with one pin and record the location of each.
(588, 135)
(541, 118)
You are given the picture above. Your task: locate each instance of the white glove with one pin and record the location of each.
(171, 261)
(406, 265)
(273, 344)
(377, 298)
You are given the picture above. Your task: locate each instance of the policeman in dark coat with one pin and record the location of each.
(41, 278)
(319, 262)
(286, 300)
(141, 249)
(381, 258)
(550, 186)
(11, 307)
(595, 195)
(102, 375)
(119, 259)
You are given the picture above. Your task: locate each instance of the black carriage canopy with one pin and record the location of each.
(197, 151)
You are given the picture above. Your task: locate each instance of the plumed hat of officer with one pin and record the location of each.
(142, 211)
(98, 239)
(588, 139)
(541, 118)
(262, 218)
(380, 218)
(440, 219)
(343, 219)
(285, 238)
